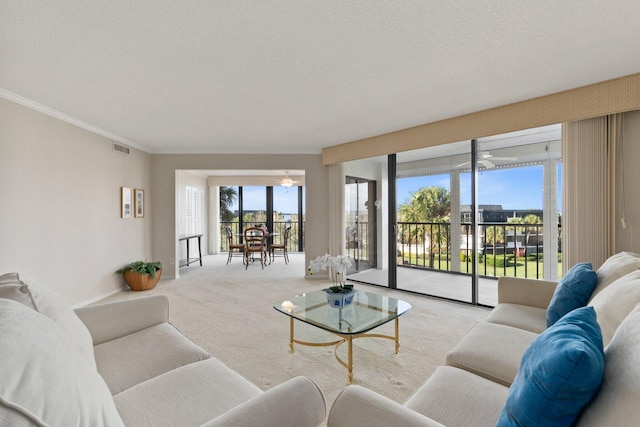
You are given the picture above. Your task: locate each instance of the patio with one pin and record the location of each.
(435, 283)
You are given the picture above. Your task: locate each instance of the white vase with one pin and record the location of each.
(340, 299)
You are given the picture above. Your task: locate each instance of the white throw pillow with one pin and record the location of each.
(615, 302)
(45, 381)
(615, 267)
(616, 404)
(26, 291)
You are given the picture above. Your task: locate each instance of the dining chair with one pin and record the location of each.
(235, 249)
(255, 242)
(281, 247)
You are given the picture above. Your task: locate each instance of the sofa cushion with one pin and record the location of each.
(26, 291)
(616, 403)
(137, 357)
(190, 395)
(573, 291)
(559, 373)
(615, 267)
(492, 351)
(45, 381)
(12, 288)
(615, 302)
(532, 319)
(454, 397)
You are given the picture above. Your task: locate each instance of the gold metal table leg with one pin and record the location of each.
(344, 338)
(397, 336)
(350, 359)
(291, 335)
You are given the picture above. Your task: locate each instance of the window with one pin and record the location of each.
(195, 210)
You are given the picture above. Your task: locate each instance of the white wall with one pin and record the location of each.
(60, 212)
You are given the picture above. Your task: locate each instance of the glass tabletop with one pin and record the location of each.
(367, 311)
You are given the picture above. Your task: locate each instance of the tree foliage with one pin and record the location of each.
(530, 219)
(427, 205)
(494, 234)
(254, 218)
(228, 195)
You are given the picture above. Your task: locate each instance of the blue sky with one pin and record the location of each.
(517, 188)
(283, 200)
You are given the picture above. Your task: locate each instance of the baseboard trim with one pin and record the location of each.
(98, 298)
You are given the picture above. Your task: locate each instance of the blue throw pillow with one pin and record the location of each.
(573, 291)
(559, 373)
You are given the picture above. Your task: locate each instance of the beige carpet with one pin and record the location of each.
(229, 311)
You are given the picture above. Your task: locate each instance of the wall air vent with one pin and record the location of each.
(120, 148)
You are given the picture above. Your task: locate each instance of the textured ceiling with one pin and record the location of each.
(295, 76)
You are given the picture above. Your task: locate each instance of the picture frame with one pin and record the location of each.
(138, 198)
(126, 202)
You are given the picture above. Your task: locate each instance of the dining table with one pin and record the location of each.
(267, 236)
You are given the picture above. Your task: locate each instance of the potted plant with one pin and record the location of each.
(340, 294)
(142, 275)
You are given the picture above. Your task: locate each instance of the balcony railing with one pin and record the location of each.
(357, 241)
(278, 227)
(504, 249)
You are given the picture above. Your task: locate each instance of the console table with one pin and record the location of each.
(189, 260)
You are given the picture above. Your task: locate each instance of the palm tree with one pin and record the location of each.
(427, 204)
(227, 197)
(494, 234)
(529, 219)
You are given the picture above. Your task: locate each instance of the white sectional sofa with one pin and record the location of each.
(493, 348)
(124, 364)
(473, 386)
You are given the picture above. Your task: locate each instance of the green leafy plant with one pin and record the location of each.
(142, 267)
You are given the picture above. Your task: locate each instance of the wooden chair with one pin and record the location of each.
(255, 242)
(234, 248)
(281, 247)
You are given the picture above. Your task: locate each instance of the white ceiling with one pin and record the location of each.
(294, 76)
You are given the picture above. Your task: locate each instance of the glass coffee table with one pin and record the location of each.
(367, 312)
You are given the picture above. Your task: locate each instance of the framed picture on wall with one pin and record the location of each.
(126, 202)
(139, 203)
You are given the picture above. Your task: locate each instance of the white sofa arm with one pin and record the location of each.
(358, 406)
(297, 402)
(117, 319)
(531, 292)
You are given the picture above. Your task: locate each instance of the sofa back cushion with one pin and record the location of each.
(616, 404)
(615, 267)
(573, 291)
(26, 291)
(45, 380)
(559, 373)
(615, 302)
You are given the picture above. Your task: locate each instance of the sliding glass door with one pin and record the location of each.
(361, 222)
(463, 215)
(433, 243)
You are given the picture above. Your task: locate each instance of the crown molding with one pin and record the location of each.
(66, 118)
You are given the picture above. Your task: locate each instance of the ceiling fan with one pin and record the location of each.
(286, 181)
(487, 160)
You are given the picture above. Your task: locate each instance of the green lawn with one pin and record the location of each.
(530, 268)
